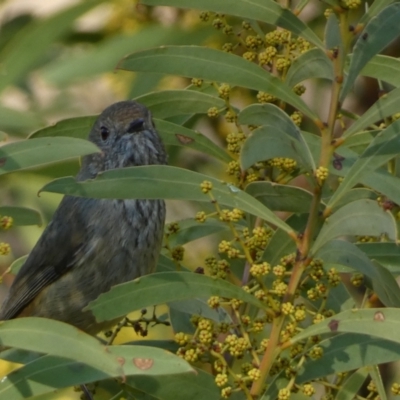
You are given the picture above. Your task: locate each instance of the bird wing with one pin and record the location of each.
(54, 254)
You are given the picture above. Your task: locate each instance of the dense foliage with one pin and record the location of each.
(296, 296)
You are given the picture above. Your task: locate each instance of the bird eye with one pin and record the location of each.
(104, 132)
(135, 125)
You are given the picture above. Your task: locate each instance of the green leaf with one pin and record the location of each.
(313, 143)
(162, 182)
(14, 121)
(310, 65)
(345, 253)
(165, 264)
(350, 388)
(361, 217)
(177, 135)
(20, 356)
(185, 386)
(387, 254)
(200, 307)
(383, 182)
(281, 197)
(361, 141)
(384, 68)
(354, 195)
(375, 8)
(32, 42)
(259, 10)
(268, 142)
(21, 215)
(39, 152)
(171, 134)
(281, 244)
(48, 373)
(382, 148)
(274, 122)
(58, 339)
(378, 33)
(333, 37)
(190, 229)
(383, 323)
(180, 321)
(387, 105)
(169, 103)
(214, 65)
(78, 128)
(380, 180)
(339, 298)
(377, 378)
(17, 264)
(162, 288)
(347, 352)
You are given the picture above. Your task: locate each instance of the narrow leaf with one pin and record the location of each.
(58, 339)
(190, 229)
(377, 379)
(383, 182)
(162, 288)
(18, 122)
(378, 33)
(333, 37)
(39, 152)
(214, 65)
(380, 323)
(21, 215)
(281, 197)
(380, 180)
(78, 128)
(197, 386)
(375, 8)
(276, 123)
(281, 244)
(171, 134)
(387, 254)
(259, 10)
(177, 135)
(162, 182)
(354, 195)
(268, 142)
(387, 105)
(170, 103)
(48, 373)
(383, 147)
(345, 253)
(361, 217)
(347, 352)
(352, 385)
(200, 307)
(17, 264)
(309, 65)
(384, 68)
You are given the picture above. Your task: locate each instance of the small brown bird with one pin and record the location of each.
(94, 244)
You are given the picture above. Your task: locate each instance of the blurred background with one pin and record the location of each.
(58, 60)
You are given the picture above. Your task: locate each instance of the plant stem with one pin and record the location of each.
(269, 357)
(304, 244)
